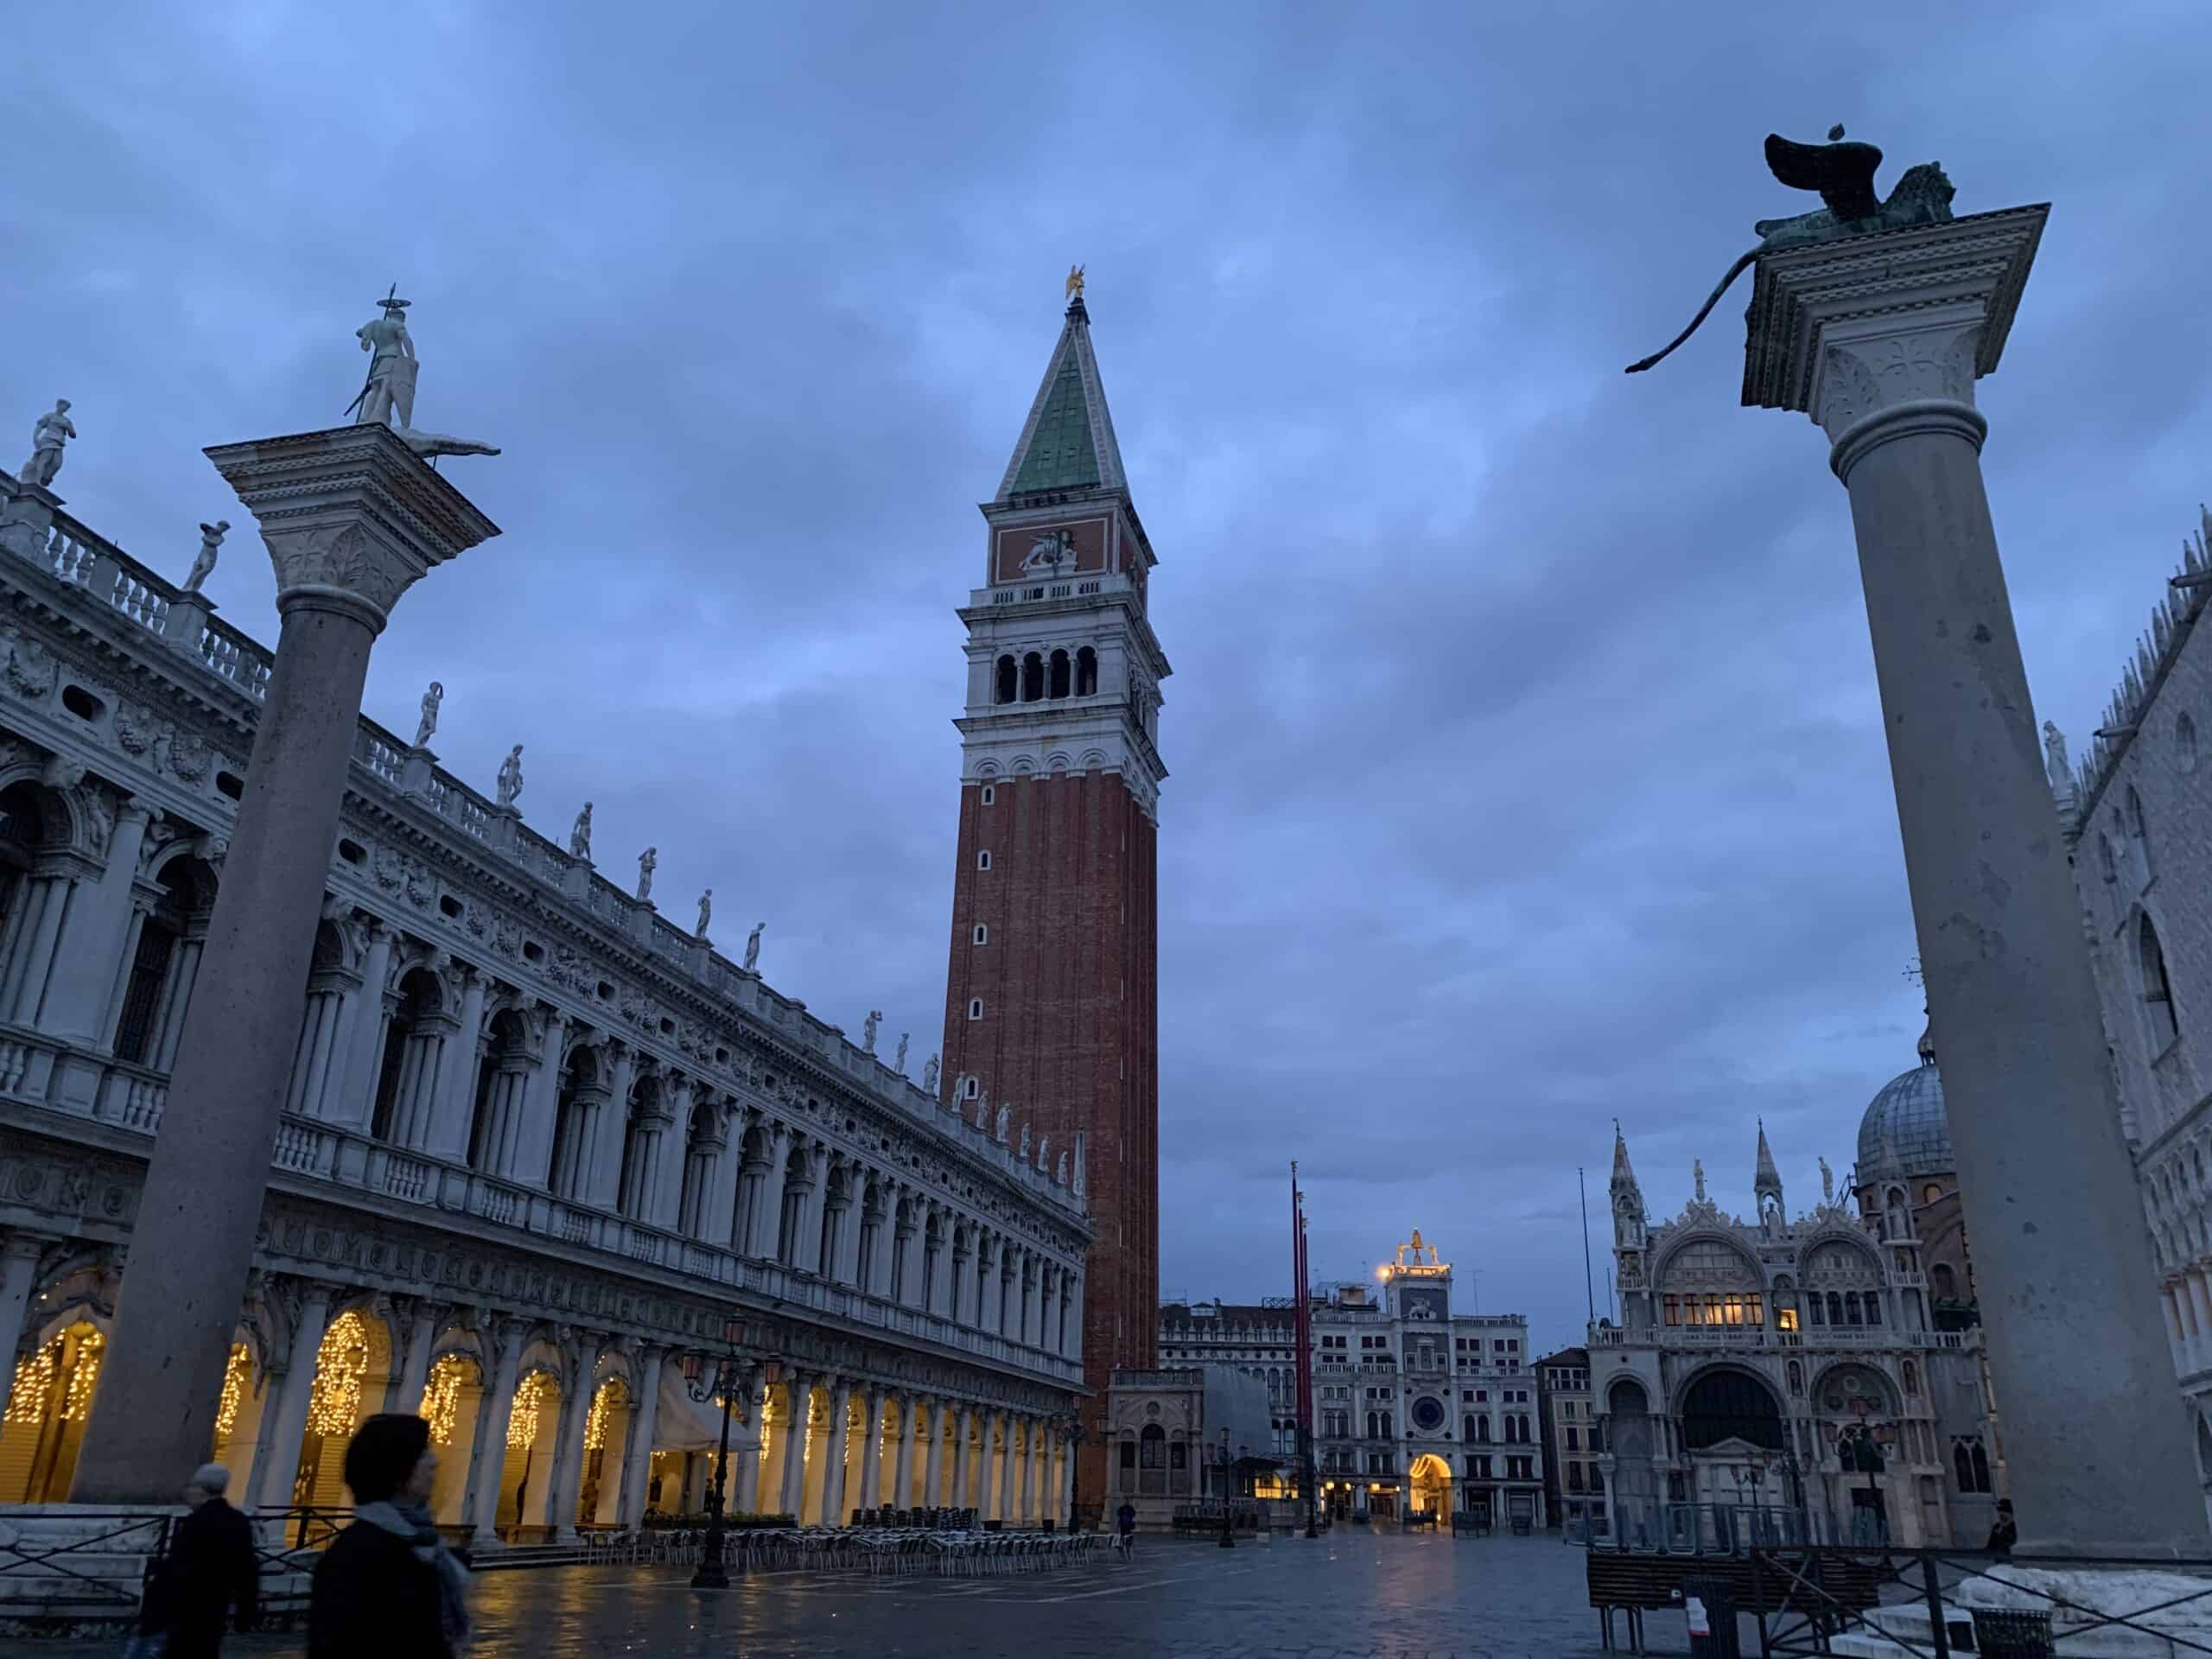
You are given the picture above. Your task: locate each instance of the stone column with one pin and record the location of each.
(562, 1490)
(277, 1468)
(1009, 1494)
(963, 1431)
(801, 1395)
(934, 1466)
(602, 1180)
(456, 1101)
(530, 1137)
(834, 1444)
(355, 1100)
(489, 1465)
(638, 1451)
(886, 1222)
(747, 1500)
(406, 1392)
(353, 518)
(902, 1480)
(872, 1452)
(1067, 1481)
(672, 1151)
(77, 996)
(766, 1215)
(18, 1278)
(1880, 339)
(806, 1247)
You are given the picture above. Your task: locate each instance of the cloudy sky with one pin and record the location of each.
(1526, 764)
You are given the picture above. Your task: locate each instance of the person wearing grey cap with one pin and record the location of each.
(208, 1570)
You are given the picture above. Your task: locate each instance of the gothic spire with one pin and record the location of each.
(1623, 1177)
(1766, 1179)
(1067, 443)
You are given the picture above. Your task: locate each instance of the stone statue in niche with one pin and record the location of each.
(203, 562)
(1025, 1143)
(1051, 552)
(867, 1029)
(706, 911)
(752, 948)
(1843, 173)
(1006, 1119)
(428, 724)
(580, 835)
(648, 861)
(53, 430)
(929, 1075)
(510, 784)
(899, 1065)
(1043, 1150)
(1060, 1174)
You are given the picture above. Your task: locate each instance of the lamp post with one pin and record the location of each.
(712, 1573)
(1228, 1521)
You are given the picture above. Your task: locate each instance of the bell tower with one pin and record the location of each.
(1052, 999)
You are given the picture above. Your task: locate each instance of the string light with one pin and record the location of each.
(34, 1382)
(441, 1397)
(610, 1394)
(234, 1380)
(522, 1422)
(339, 1365)
(91, 1345)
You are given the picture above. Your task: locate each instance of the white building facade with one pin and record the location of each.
(2138, 816)
(540, 1143)
(1786, 1373)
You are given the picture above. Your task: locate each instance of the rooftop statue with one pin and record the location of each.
(53, 430)
(203, 562)
(1842, 171)
(510, 781)
(580, 835)
(389, 394)
(753, 947)
(426, 726)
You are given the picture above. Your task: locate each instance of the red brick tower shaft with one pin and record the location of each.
(1052, 999)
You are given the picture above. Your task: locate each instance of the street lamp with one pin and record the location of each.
(1228, 1536)
(712, 1574)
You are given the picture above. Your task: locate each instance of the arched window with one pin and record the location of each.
(403, 1090)
(640, 1122)
(1005, 682)
(1724, 1404)
(1816, 1308)
(699, 1161)
(22, 831)
(1944, 1281)
(1482, 1428)
(1086, 672)
(2138, 837)
(1796, 1377)
(1032, 678)
(1835, 1309)
(1911, 1373)
(164, 965)
(1058, 686)
(1467, 1428)
(500, 1086)
(1873, 1300)
(2185, 743)
(2109, 865)
(2158, 993)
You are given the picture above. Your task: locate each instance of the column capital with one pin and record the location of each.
(1865, 326)
(350, 516)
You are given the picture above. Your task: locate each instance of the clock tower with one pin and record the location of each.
(1051, 1000)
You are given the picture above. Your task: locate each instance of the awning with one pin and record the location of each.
(690, 1419)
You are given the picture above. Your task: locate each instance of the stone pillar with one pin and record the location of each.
(489, 1465)
(354, 518)
(766, 1216)
(563, 1489)
(1009, 1493)
(77, 996)
(878, 1269)
(18, 1278)
(638, 1451)
(834, 1444)
(747, 1500)
(672, 1151)
(276, 1468)
(800, 1393)
(933, 1466)
(806, 1246)
(406, 1391)
(963, 1431)
(354, 1099)
(602, 1182)
(1880, 339)
(456, 1101)
(872, 1452)
(902, 1480)
(718, 1190)
(1067, 1482)
(530, 1161)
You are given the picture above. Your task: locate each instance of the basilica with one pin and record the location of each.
(542, 1145)
(1816, 1376)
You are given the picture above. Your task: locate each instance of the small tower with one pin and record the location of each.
(1628, 1197)
(1766, 1186)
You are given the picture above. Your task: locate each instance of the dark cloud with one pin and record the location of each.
(1527, 771)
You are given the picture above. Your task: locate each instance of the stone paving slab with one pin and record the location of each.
(1352, 1594)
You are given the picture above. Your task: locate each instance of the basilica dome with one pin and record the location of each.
(1905, 1131)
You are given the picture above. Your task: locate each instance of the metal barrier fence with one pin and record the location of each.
(1699, 1529)
(1939, 1603)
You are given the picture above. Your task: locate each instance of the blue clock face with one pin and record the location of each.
(1428, 1412)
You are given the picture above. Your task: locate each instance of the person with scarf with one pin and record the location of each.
(388, 1587)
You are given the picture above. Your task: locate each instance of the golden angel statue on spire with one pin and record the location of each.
(1075, 281)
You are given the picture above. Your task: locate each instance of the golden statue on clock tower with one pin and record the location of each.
(1075, 283)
